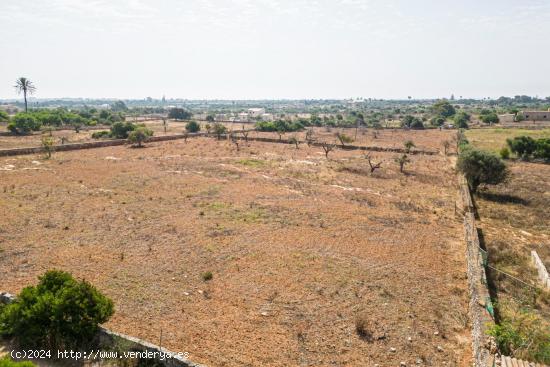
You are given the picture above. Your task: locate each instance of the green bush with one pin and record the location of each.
(4, 116)
(481, 167)
(279, 126)
(60, 312)
(7, 362)
(412, 122)
(139, 135)
(192, 127)
(522, 337)
(522, 146)
(504, 153)
(120, 130)
(489, 117)
(101, 134)
(219, 129)
(24, 123)
(543, 149)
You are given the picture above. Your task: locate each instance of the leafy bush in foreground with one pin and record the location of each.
(60, 312)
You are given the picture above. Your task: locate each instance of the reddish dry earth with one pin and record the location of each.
(299, 248)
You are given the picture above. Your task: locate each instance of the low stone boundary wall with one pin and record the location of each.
(90, 145)
(115, 142)
(480, 307)
(541, 268)
(109, 340)
(346, 147)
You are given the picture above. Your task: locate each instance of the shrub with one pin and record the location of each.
(344, 139)
(543, 149)
(24, 123)
(409, 144)
(443, 108)
(523, 337)
(48, 145)
(7, 362)
(206, 276)
(522, 146)
(101, 134)
(192, 127)
(60, 312)
(219, 130)
(504, 153)
(139, 135)
(120, 130)
(4, 116)
(481, 167)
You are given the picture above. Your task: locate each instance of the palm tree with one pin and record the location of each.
(24, 85)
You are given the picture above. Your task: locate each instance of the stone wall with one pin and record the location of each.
(543, 273)
(483, 346)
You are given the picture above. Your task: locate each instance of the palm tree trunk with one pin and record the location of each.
(25, 96)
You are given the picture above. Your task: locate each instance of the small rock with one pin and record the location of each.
(185, 293)
(436, 333)
(419, 361)
(173, 278)
(402, 364)
(439, 348)
(264, 313)
(393, 350)
(410, 339)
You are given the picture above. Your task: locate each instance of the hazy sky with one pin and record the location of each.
(276, 48)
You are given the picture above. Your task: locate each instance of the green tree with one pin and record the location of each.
(25, 86)
(119, 106)
(138, 136)
(4, 117)
(543, 149)
(219, 130)
(443, 109)
(522, 146)
(489, 118)
(192, 127)
(210, 118)
(24, 123)
(59, 313)
(481, 167)
(179, 114)
(120, 130)
(401, 161)
(461, 120)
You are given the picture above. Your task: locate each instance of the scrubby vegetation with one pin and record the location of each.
(8, 362)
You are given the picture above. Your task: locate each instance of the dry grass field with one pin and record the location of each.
(514, 220)
(495, 139)
(266, 256)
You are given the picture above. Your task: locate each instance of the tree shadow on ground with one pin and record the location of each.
(503, 198)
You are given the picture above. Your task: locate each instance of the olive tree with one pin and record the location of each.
(481, 167)
(138, 136)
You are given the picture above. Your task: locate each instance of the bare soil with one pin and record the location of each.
(301, 249)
